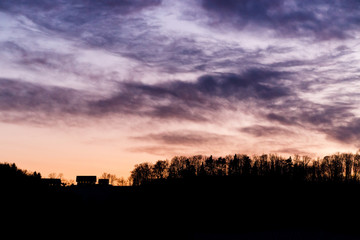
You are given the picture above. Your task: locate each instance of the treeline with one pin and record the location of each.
(12, 176)
(340, 167)
(20, 188)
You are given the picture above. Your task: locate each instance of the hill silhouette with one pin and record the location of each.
(233, 197)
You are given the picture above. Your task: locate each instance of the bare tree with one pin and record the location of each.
(111, 177)
(52, 175)
(55, 175)
(305, 160)
(121, 181)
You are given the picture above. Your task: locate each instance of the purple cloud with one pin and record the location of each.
(348, 131)
(20, 96)
(320, 19)
(195, 101)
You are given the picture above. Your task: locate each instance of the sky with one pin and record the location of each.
(88, 87)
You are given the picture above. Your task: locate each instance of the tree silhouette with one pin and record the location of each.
(234, 166)
(141, 174)
(12, 176)
(221, 166)
(349, 162)
(356, 165)
(210, 166)
(160, 169)
(335, 168)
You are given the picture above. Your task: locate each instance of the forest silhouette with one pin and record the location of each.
(336, 168)
(202, 197)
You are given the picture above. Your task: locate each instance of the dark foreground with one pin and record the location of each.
(211, 208)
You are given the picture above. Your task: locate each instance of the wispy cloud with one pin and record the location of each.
(182, 143)
(265, 131)
(185, 138)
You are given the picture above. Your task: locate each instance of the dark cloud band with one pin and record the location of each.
(320, 19)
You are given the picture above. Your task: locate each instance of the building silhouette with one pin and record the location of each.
(103, 182)
(86, 180)
(51, 182)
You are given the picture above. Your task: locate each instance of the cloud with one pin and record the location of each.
(294, 151)
(320, 19)
(22, 96)
(38, 59)
(347, 132)
(106, 23)
(271, 82)
(184, 138)
(170, 143)
(306, 113)
(336, 120)
(24, 102)
(80, 8)
(122, 28)
(194, 101)
(254, 83)
(202, 100)
(119, 27)
(266, 131)
(168, 151)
